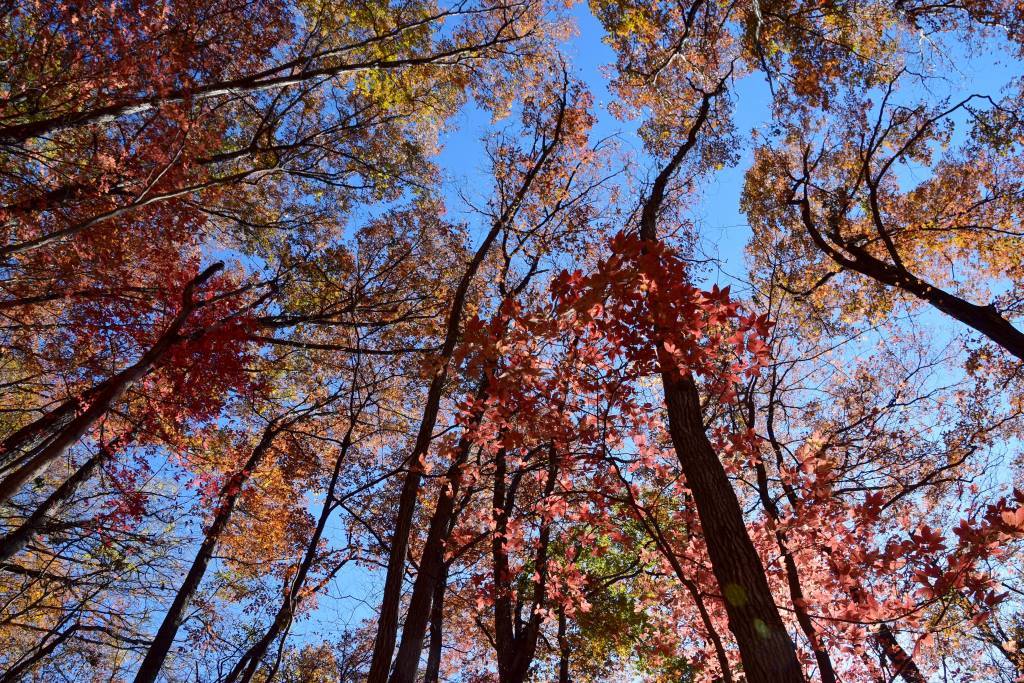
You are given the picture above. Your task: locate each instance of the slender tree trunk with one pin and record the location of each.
(37, 433)
(654, 531)
(387, 623)
(884, 638)
(230, 493)
(516, 642)
(825, 668)
(18, 538)
(432, 572)
(99, 399)
(246, 666)
(433, 670)
(293, 72)
(563, 648)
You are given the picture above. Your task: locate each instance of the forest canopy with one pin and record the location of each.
(402, 341)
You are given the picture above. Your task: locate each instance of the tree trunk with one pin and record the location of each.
(563, 648)
(230, 492)
(246, 666)
(387, 623)
(433, 670)
(516, 642)
(653, 530)
(18, 538)
(766, 650)
(825, 668)
(20, 671)
(903, 663)
(99, 399)
(432, 572)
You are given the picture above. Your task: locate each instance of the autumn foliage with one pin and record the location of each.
(396, 342)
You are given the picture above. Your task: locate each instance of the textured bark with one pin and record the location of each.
(903, 664)
(432, 572)
(766, 650)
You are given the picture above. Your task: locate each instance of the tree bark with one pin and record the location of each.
(563, 648)
(766, 650)
(903, 663)
(432, 572)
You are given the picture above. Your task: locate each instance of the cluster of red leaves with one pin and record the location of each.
(552, 372)
(644, 306)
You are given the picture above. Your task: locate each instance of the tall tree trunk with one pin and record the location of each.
(766, 650)
(433, 670)
(18, 538)
(246, 666)
(99, 399)
(516, 642)
(387, 623)
(903, 664)
(20, 671)
(229, 495)
(432, 572)
(563, 648)
(296, 71)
